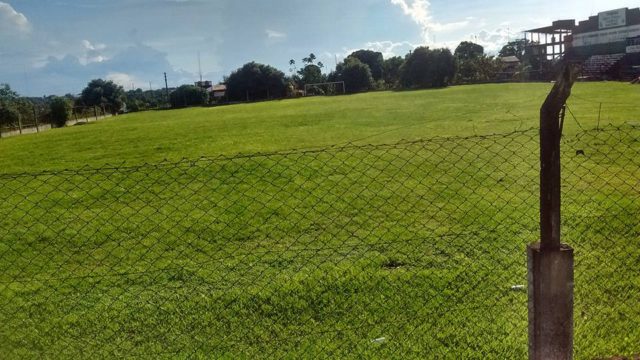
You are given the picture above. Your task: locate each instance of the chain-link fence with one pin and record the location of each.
(409, 250)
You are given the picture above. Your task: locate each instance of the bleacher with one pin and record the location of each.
(599, 67)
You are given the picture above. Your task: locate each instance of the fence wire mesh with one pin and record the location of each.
(409, 250)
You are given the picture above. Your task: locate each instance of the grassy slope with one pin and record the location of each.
(285, 256)
(375, 117)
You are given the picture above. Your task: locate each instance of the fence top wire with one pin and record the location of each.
(166, 163)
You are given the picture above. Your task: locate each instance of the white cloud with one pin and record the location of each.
(89, 46)
(272, 34)
(390, 48)
(419, 12)
(492, 41)
(93, 52)
(124, 80)
(12, 21)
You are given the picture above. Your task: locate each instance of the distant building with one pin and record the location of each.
(510, 60)
(510, 66)
(219, 91)
(206, 85)
(608, 44)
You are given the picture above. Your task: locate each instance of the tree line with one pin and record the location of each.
(366, 70)
(100, 96)
(361, 71)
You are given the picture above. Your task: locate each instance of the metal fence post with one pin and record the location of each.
(550, 263)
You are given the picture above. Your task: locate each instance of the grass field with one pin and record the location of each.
(316, 254)
(375, 117)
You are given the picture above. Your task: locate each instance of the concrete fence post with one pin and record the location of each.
(550, 263)
(550, 303)
(20, 122)
(35, 117)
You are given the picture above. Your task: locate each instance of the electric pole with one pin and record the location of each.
(166, 87)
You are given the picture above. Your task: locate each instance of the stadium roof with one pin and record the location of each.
(556, 27)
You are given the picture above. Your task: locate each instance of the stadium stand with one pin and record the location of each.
(607, 45)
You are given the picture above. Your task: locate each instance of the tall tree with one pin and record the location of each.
(255, 81)
(373, 59)
(392, 68)
(426, 68)
(103, 93)
(310, 59)
(14, 108)
(292, 66)
(6, 94)
(59, 110)
(468, 50)
(311, 74)
(9, 113)
(188, 95)
(355, 74)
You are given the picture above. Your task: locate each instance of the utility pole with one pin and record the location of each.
(199, 68)
(166, 87)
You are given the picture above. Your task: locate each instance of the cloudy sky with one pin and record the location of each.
(56, 46)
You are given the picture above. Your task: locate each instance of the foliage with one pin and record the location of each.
(103, 93)
(311, 74)
(355, 74)
(468, 50)
(16, 109)
(373, 59)
(140, 100)
(392, 68)
(6, 94)
(477, 70)
(188, 95)
(292, 66)
(255, 81)
(9, 114)
(309, 59)
(426, 68)
(59, 110)
(514, 48)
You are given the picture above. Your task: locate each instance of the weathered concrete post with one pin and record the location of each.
(35, 117)
(20, 122)
(550, 263)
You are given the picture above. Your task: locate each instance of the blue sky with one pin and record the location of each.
(57, 46)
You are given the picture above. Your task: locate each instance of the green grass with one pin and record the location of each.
(315, 254)
(375, 117)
